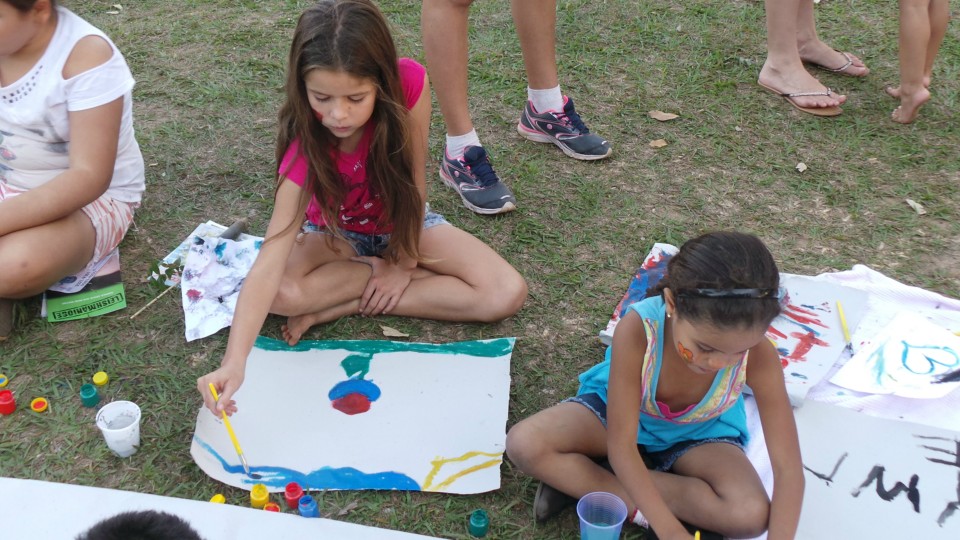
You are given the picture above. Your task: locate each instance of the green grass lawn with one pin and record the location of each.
(209, 76)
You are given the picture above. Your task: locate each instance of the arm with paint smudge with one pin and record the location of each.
(256, 296)
(765, 378)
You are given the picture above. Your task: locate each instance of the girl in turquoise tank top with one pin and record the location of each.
(665, 407)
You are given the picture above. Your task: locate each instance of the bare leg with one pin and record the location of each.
(465, 280)
(31, 260)
(715, 486)
(914, 42)
(444, 28)
(939, 11)
(783, 70)
(536, 24)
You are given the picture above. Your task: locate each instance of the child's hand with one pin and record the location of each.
(226, 380)
(385, 286)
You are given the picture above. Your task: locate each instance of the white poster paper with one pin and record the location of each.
(366, 415)
(874, 478)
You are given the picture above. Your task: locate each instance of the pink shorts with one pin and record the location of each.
(110, 219)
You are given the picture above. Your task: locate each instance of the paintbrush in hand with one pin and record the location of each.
(233, 436)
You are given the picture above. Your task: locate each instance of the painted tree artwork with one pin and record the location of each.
(876, 478)
(365, 415)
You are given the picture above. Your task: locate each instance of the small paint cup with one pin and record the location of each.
(479, 524)
(7, 403)
(308, 507)
(292, 494)
(119, 421)
(89, 395)
(271, 507)
(601, 516)
(259, 496)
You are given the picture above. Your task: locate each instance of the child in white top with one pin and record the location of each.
(71, 172)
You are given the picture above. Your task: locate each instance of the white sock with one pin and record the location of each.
(638, 519)
(550, 99)
(456, 143)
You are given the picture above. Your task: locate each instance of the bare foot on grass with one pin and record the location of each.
(910, 105)
(894, 91)
(296, 326)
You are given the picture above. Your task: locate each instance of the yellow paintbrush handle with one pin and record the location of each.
(843, 322)
(226, 422)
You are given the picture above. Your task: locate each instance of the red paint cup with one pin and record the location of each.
(7, 403)
(292, 494)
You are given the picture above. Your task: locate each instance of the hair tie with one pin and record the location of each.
(757, 294)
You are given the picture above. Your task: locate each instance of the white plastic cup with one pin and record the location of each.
(119, 421)
(601, 516)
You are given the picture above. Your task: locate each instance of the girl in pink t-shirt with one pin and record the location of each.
(351, 154)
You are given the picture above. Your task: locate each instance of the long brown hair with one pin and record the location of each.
(352, 36)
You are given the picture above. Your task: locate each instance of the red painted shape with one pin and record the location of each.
(776, 332)
(193, 295)
(292, 494)
(806, 341)
(797, 314)
(351, 404)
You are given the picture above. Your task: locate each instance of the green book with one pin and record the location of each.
(102, 294)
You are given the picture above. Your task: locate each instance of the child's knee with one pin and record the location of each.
(506, 299)
(18, 270)
(748, 516)
(289, 295)
(523, 445)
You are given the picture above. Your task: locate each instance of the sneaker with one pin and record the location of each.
(564, 129)
(549, 502)
(477, 183)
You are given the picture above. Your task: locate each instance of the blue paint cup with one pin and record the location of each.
(601, 516)
(308, 507)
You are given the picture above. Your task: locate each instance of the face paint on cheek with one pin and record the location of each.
(685, 353)
(319, 115)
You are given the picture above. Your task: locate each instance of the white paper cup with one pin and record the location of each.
(119, 421)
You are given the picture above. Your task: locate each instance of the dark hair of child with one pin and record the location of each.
(728, 279)
(142, 525)
(352, 36)
(25, 5)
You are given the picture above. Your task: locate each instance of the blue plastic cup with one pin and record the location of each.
(601, 516)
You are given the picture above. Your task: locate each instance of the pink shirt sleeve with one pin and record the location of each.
(293, 166)
(412, 76)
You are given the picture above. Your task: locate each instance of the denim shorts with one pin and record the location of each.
(655, 461)
(372, 245)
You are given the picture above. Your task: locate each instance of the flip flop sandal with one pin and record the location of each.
(842, 70)
(816, 111)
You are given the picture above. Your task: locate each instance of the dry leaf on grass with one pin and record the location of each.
(801, 166)
(916, 206)
(392, 332)
(662, 116)
(659, 143)
(350, 506)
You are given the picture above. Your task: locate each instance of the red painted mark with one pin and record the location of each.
(797, 314)
(653, 262)
(194, 295)
(351, 404)
(776, 332)
(806, 341)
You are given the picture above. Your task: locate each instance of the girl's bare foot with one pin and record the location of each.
(798, 80)
(910, 105)
(894, 91)
(296, 326)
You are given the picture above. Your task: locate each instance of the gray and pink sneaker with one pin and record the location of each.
(564, 129)
(477, 183)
